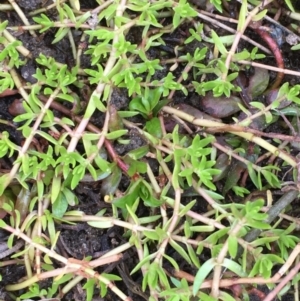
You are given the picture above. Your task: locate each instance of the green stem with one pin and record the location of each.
(101, 85)
(21, 15)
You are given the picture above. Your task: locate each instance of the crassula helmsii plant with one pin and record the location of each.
(213, 155)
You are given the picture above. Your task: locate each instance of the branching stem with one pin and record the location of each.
(239, 34)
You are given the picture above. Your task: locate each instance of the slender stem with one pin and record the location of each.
(211, 222)
(5, 7)
(80, 49)
(272, 295)
(221, 25)
(239, 34)
(71, 266)
(271, 68)
(153, 180)
(21, 15)
(173, 223)
(72, 44)
(29, 139)
(236, 130)
(219, 260)
(44, 9)
(101, 85)
(18, 84)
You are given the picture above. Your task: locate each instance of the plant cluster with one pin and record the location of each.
(220, 156)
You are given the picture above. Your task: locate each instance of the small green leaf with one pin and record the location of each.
(242, 16)
(290, 5)
(139, 152)
(76, 5)
(153, 127)
(3, 25)
(60, 34)
(220, 46)
(260, 15)
(111, 183)
(225, 296)
(135, 166)
(151, 235)
(234, 267)
(257, 224)
(153, 275)
(172, 261)
(193, 256)
(130, 196)
(180, 250)
(59, 207)
(186, 208)
(204, 297)
(254, 177)
(2, 223)
(202, 273)
(47, 137)
(70, 197)
(202, 228)
(116, 134)
(89, 287)
(143, 262)
(55, 189)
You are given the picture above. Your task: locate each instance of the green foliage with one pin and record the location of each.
(264, 264)
(267, 172)
(182, 10)
(139, 189)
(146, 105)
(290, 5)
(83, 144)
(195, 34)
(89, 287)
(10, 54)
(34, 291)
(44, 21)
(202, 273)
(197, 154)
(284, 239)
(6, 146)
(153, 127)
(217, 4)
(6, 81)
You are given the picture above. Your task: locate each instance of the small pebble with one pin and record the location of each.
(16, 108)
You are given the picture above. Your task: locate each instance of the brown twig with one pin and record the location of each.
(5, 251)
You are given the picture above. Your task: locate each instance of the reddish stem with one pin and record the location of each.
(110, 149)
(277, 54)
(9, 92)
(108, 145)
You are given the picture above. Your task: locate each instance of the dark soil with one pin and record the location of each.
(82, 240)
